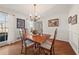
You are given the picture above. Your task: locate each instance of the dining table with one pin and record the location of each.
(37, 39)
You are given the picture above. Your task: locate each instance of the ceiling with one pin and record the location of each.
(42, 9)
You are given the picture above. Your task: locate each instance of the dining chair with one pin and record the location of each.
(49, 44)
(26, 42)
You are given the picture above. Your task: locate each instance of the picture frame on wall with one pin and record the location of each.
(74, 20)
(53, 22)
(69, 19)
(20, 23)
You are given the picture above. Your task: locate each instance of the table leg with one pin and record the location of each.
(39, 48)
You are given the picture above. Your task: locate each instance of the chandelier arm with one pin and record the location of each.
(34, 17)
(34, 9)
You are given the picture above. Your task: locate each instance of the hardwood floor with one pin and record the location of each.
(61, 48)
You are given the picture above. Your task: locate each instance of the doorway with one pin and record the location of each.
(39, 26)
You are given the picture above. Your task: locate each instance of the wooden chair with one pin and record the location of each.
(26, 43)
(49, 45)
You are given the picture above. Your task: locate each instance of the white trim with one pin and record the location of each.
(3, 43)
(6, 42)
(10, 42)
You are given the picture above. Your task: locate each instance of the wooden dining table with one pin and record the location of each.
(38, 39)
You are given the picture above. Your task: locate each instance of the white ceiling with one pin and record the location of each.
(41, 8)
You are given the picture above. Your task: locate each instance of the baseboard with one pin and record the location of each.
(8, 43)
(11, 42)
(3, 43)
(62, 40)
(14, 42)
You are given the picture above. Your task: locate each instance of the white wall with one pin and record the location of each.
(62, 29)
(74, 29)
(13, 31)
(11, 28)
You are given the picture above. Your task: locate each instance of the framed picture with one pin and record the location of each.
(20, 23)
(74, 20)
(69, 19)
(53, 23)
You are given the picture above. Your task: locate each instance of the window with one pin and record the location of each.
(3, 22)
(3, 26)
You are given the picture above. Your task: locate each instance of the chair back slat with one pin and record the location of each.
(23, 39)
(53, 41)
(22, 35)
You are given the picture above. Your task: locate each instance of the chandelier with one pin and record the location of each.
(34, 17)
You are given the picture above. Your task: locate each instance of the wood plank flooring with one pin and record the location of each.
(61, 48)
